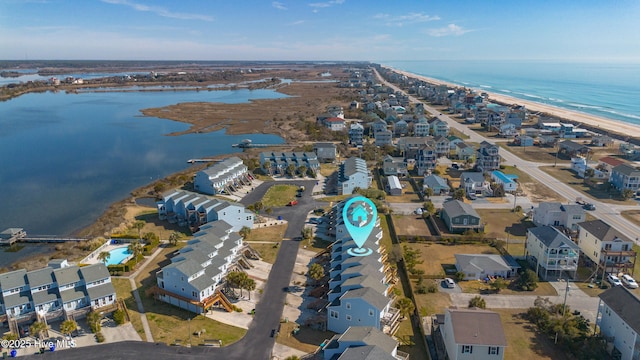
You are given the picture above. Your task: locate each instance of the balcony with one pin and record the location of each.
(401, 355)
(389, 322)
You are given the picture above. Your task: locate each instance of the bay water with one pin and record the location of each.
(64, 158)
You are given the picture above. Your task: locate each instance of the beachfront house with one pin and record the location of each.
(487, 157)
(473, 334)
(460, 217)
(625, 177)
(194, 210)
(551, 253)
(193, 278)
(353, 173)
(573, 149)
(482, 266)
(607, 248)
(558, 214)
(55, 293)
(617, 320)
(223, 177)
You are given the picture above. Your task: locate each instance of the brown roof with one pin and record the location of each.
(477, 327)
(610, 160)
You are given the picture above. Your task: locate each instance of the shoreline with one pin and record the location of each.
(592, 122)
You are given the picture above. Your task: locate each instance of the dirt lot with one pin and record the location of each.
(437, 255)
(601, 192)
(523, 340)
(501, 221)
(410, 225)
(536, 191)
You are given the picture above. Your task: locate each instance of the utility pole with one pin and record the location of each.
(555, 162)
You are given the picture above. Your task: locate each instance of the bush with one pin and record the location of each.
(119, 317)
(99, 337)
(95, 328)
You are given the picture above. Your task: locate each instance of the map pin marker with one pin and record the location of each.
(359, 215)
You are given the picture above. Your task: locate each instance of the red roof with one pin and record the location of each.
(609, 160)
(334, 120)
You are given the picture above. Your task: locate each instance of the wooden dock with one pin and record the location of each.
(50, 239)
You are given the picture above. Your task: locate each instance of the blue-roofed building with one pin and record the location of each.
(507, 181)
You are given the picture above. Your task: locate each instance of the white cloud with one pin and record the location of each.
(299, 22)
(159, 11)
(278, 5)
(401, 20)
(451, 29)
(326, 4)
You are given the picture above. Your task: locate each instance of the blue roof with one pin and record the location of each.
(504, 177)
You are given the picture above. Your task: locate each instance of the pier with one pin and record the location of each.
(246, 144)
(193, 161)
(12, 235)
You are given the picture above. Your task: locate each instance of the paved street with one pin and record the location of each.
(479, 203)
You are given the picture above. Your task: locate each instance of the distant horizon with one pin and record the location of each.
(280, 30)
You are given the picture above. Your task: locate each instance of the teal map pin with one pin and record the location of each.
(359, 215)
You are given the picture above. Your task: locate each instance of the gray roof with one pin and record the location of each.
(13, 279)
(72, 294)
(14, 300)
(370, 336)
(41, 277)
(67, 275)
(366, 281)
(434, 181)
(45, 296)
(94, 272)
(371, 296)
(626, 169)
(602, 230)
(188, 267)
(474, 263)
(222, 166)
(368, 352)
(354, 165)
(324, 145)
(556, 206)
(476, 177)
(624, 304)
(100, 291)
(477, 327)
(456, 208)
(552, 237)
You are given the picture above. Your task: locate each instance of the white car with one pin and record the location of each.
(614, 280)
(449, 283)
(629, 281)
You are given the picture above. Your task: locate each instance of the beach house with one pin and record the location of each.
(394, 188)
(356, 132)
(278, 162)
(625, 177)
(551, 253)
(606, 247)
(193, 278)
(558, 214)
(426, 158)
(326, 152)
(618, 320)
(353, 173)
(421, 127)
(364, 343)
(460, 217)
(223, 177)
(438, 185)
(473, 334)
(482, 266)
(487, 157)
(383, 137)
(508, 181)
(475, 183)
(55, 293)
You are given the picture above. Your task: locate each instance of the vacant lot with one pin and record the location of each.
(536, 191)
(306, 339)
(328, 169)
(267, 241)
(480, 287)
(601, 192)
(408, 195)
(502, 221)
(523, 341)
(410, 225)
(279, 195)
(535, 153)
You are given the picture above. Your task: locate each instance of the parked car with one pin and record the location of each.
(293, 203)
(471, 196)
(449, 283)
(614, 280)
(629, 281)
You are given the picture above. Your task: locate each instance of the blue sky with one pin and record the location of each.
(320, 30)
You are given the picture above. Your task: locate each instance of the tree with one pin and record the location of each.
(93, 319)
(527, 281)
(588, 174)
(138, 225)
(428, 192)
(498, 284)
(151, 237)
(307, 233)
(236, 279)
(406, 307)
(459, 276)
(38, 328)
(627, 194)
(257, 206)
(104, 257)
(477, 302)
(291, 170)
(459, 194)
(302, 170)
(267, 166)
(174, 237)
(68, 326)
(249, 285)
(245, 232)
(135, 248)
(316, 272)
(428, 209)
(498, 190)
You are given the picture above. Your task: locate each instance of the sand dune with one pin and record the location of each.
(614, 126)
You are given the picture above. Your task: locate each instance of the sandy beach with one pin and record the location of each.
(613, 126)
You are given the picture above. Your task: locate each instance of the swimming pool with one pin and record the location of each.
(118, 255)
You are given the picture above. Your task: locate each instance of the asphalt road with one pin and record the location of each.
(258, 342)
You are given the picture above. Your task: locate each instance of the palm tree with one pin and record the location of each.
(316, 272)
(406, 307)
(38, 328)
(68, 326)
(104, 257)
(307, 233)
(173, 238)
(245, 232)
(302, 170)
(249, 285)
(477, 302)
(135, 248)
(138, 225)
(93, 319)
(267, 166)
(291, 170)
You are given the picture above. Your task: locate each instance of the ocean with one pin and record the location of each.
(609, 90)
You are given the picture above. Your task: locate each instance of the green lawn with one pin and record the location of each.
(268, 252)
(279, 195)
(123, 291)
